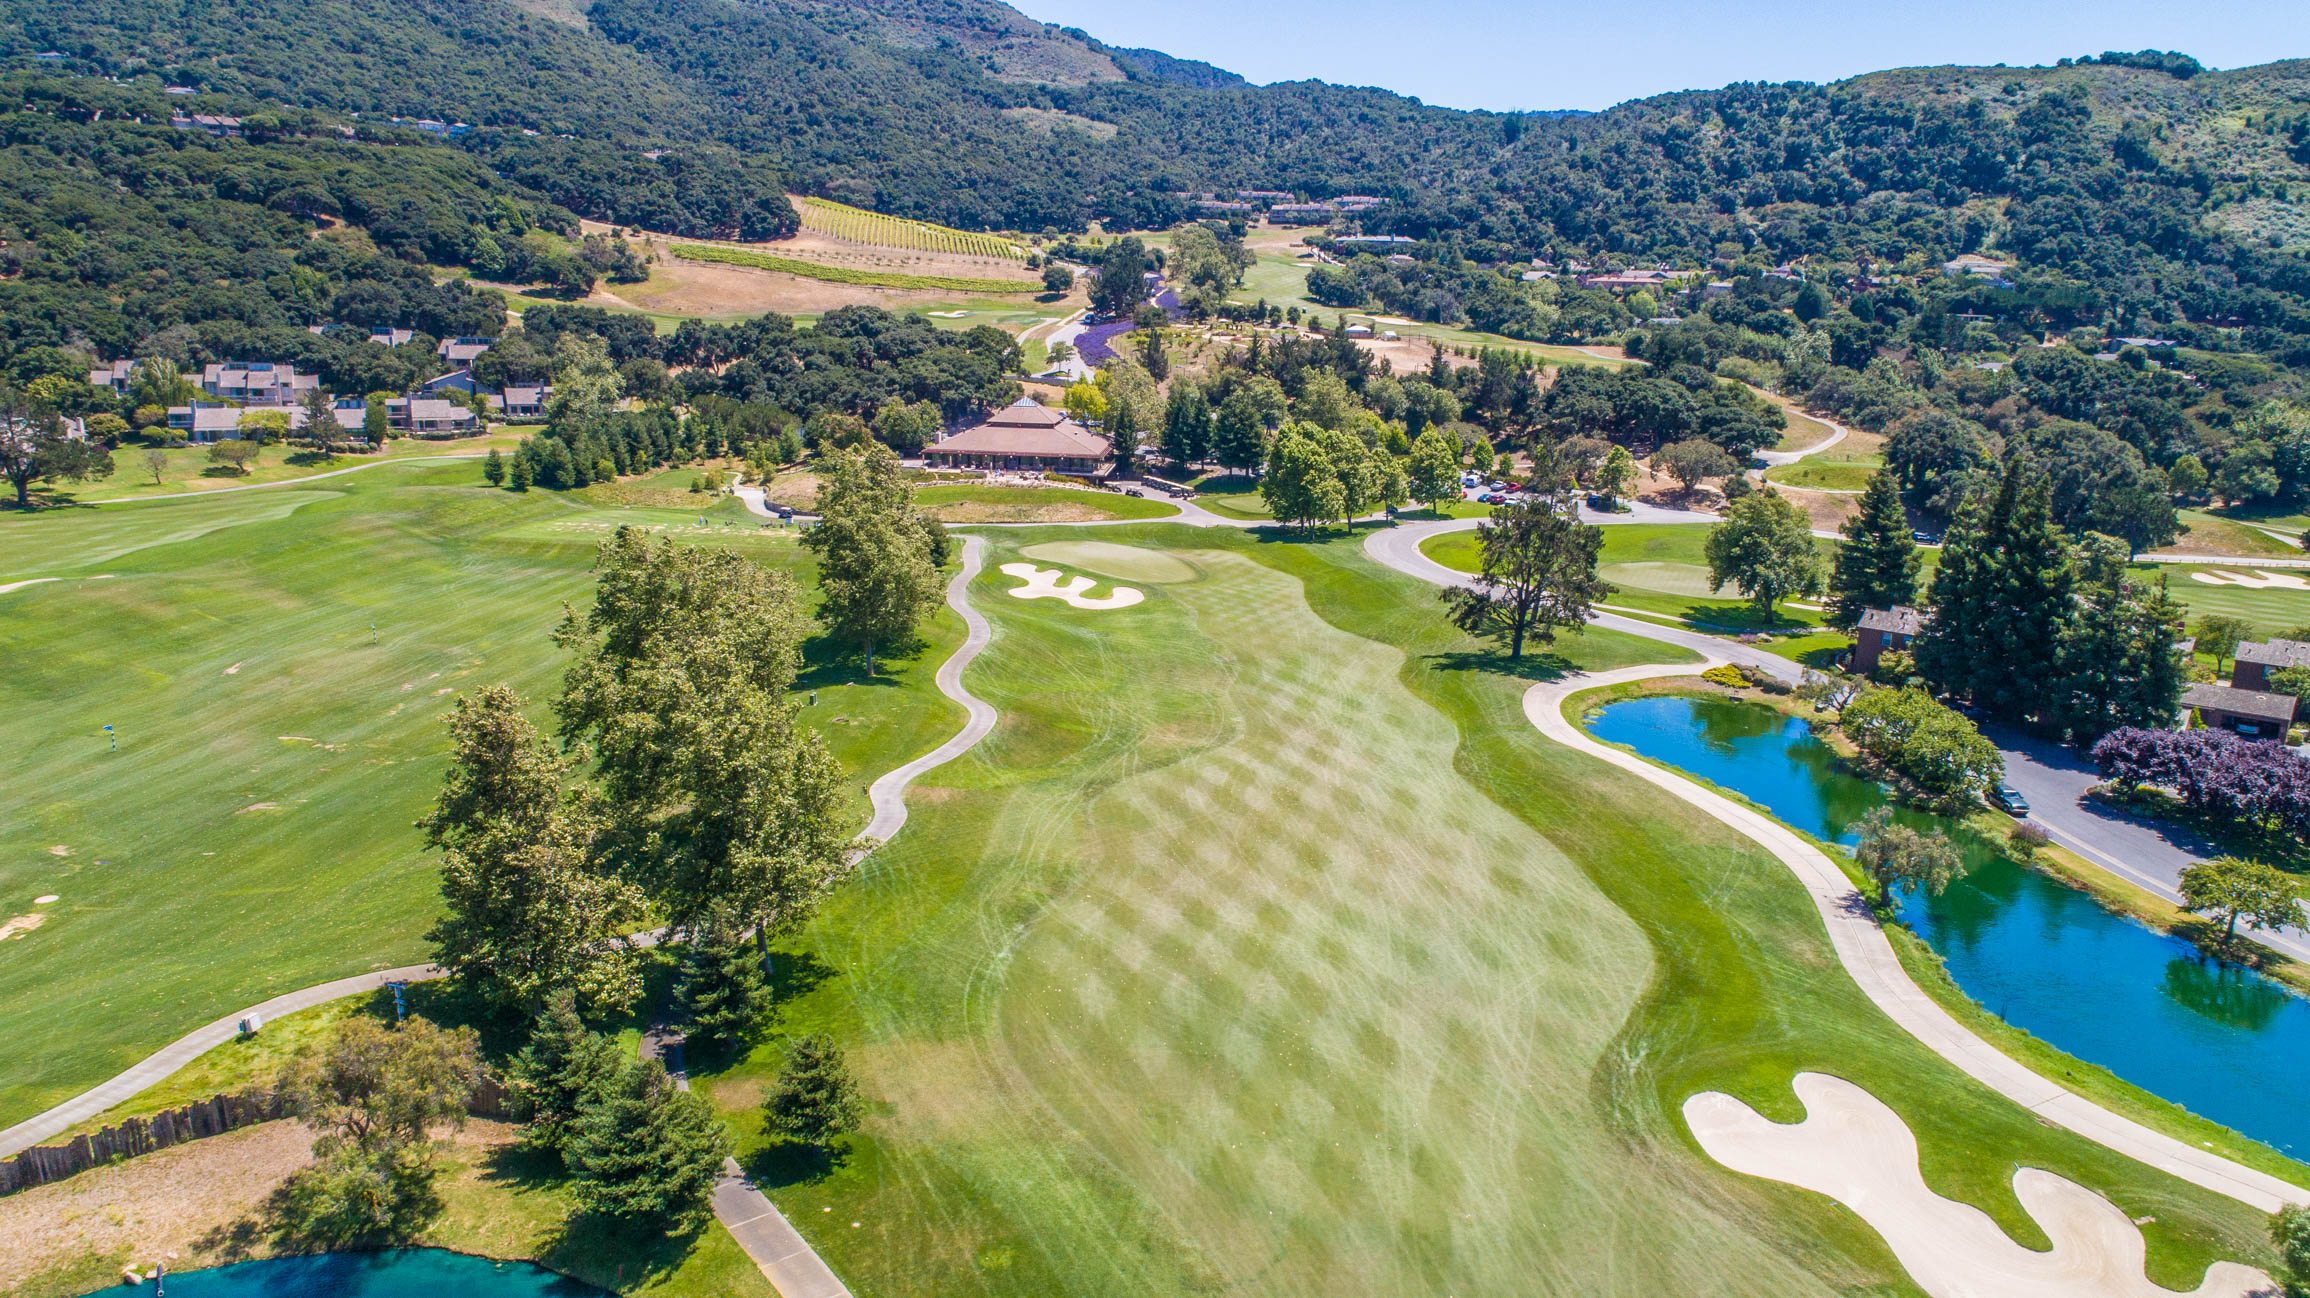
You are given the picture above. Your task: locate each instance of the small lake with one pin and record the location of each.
(395, 1273)
(2218, 1040)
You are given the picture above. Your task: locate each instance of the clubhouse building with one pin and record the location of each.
(1027, 436)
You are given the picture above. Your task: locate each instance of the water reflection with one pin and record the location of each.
(2145, 1005)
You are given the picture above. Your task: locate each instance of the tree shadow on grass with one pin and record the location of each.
(786, 1162)
(1542, 665)
(794, 974)
(614, 1255)
(827, 662)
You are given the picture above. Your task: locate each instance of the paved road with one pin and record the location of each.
(1868, 956)
(2143, 852)
(192, 1045)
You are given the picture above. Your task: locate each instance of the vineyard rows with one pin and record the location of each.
(849, 274)
(858, 225)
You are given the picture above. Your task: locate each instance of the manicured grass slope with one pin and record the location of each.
(988, 503)
(1225, 969)
(848, 274)
(253, 834)
(1655, 567)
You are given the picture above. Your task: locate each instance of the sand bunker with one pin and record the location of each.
(44, 900)
(2252, 580)
(1857, 1151)
(19, 926)
(1128, 562)
(1045, 583)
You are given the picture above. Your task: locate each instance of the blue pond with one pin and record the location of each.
(396, 1273)
(2220, 1041)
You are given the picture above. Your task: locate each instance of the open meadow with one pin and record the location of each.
(253, 832)
(1226, 970)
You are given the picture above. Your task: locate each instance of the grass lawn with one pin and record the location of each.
(203, 1204)
(987, 503)
(189, 469)
(1224, 969)
(253, 834)
(1655, 568)
(1231, 495)
(2208, 533)
(2211, 588)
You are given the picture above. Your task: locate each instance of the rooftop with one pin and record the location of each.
(2275, 653)
(1897, 620)
(2254, 705)
(1027, 428)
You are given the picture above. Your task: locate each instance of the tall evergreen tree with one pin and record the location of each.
(720, 988)
(1877, 565)
(2000, 600)
(645, 1153)
(1187, 425)
(2120, 648)
(816, 1099)
(1238, 434)
(2030, 597)
(877, 553)
(563, 1067)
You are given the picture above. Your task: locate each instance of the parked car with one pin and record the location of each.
(1492, 498)
(1470, 480)
(2008, 799)
(785, 512)
(1925, 538)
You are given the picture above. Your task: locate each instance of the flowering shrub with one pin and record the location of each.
(2258, 781)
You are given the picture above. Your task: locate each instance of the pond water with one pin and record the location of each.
(395, 1273)
(2218, 1040)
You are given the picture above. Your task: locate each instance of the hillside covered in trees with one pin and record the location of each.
(2140, 192)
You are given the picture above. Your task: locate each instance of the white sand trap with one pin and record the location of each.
(5, 587)
(1857, 1151)
(233, 670)
(45, 900)
(2252, 580)
(1044, 583)
(19, 926)
(1127, 562)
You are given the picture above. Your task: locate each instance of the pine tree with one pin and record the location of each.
(721, 989)
(816, 1099)
(2031, 584)
(1948, 649)
(2000, 601)
(493, 468)
(644, 1153)
(1187, 425)
(562, 1069)
(1877, 565)
(519, 477)
(2120, 654)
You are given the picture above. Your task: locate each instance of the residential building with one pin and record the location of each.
(524, 400)
(430, 417)
(2250, 668)
(1883, 631)
(217, 421)
(1300, 214)
(385, 337)
(454, 381)
(257, 383)
(2255, 714)
(460, 352)
(1976, 265)
(1023, 435)
(114, 377)
(206, 122)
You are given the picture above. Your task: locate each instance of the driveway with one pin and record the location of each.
(2143, 852)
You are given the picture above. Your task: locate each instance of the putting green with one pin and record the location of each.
(1128, 562)
(1667, 578)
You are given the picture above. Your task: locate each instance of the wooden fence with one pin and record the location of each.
(135, 1137)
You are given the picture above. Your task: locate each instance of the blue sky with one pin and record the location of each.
(1508, 55)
